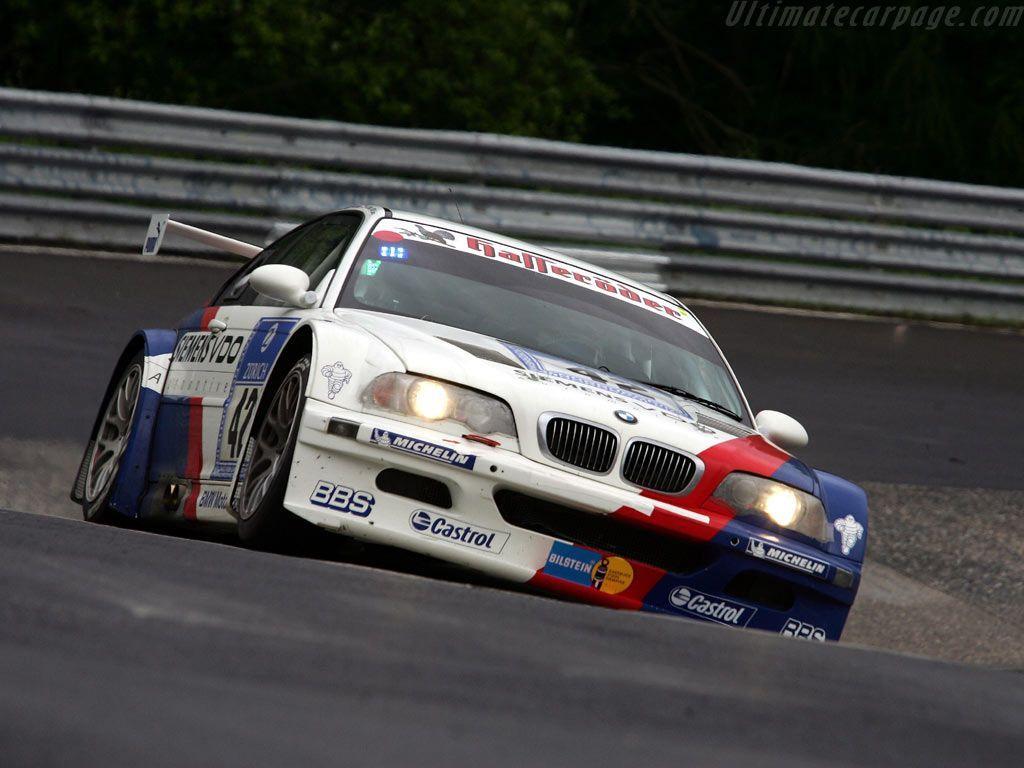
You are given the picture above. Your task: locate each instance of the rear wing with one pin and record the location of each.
(162, 223)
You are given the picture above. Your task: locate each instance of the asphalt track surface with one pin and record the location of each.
(127, 648)
(120, 646)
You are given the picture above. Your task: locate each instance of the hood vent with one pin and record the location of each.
(482, 352)
(580, 443)
(729, 427)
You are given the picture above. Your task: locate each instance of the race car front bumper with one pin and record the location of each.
(493, 510)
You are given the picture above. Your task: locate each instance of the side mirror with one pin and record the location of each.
(283, 283)
(785, 431)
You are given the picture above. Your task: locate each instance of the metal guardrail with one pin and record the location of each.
(88, 170)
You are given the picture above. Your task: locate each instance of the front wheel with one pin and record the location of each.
(262, 518)
(110, 442)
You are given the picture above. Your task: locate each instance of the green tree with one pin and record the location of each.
(485, 65)
(944, 103)
(663, 74)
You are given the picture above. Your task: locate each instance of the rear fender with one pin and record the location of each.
(157, 346)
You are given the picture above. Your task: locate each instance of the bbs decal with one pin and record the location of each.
(341, 498)
(802, 630)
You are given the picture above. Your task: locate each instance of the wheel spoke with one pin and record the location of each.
(112, 435)
(257, 484)
(127, 392)
(271, 442)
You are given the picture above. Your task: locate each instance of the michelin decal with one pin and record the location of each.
(850, 532)
(432, 451)
(337, 376)
(765, 550)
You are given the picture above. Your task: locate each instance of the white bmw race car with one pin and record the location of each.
(422, 384)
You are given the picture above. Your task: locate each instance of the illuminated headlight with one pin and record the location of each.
(438, 401)
(429, 400)
(785, 506)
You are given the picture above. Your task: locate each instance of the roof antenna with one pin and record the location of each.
(454, 200)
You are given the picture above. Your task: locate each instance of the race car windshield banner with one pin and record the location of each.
(391, 232)
(539, 303)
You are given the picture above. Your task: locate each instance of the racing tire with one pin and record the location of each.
(109, 442)
(263, 522)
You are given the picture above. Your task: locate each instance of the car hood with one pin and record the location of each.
(535, 384)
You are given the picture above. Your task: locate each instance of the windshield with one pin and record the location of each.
(537, 302)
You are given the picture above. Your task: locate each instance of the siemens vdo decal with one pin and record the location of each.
(441, 527)
(203, 348)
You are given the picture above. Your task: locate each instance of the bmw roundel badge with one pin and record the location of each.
(625, 416)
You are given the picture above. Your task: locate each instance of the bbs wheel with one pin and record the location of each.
(262, 520)
(110, 441)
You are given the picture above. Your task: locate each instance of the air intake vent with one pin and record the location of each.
(605, 533)
(583, 445)
(653, 466)
(416, 487)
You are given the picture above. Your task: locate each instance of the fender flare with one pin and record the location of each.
(157, 346)
(356, 349)
(329, 342)
(844, 500)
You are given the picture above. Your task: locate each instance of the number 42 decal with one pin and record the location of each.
(238, 419)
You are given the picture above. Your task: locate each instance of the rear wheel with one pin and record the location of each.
(262, 518)
(110, 442)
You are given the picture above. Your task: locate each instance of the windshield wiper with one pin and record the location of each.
(696, 398)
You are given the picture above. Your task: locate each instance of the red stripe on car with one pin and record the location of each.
(751, 454)
(645, 577)
(194, 454)
(665, 520)
(208, 314)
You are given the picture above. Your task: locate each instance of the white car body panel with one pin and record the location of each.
(222, 364)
